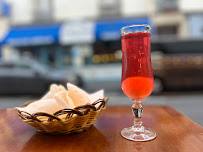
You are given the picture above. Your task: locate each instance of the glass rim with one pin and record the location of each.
(148, 27)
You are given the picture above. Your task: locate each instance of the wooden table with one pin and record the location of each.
(175, 133)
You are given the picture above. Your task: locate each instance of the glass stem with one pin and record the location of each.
(137, 112)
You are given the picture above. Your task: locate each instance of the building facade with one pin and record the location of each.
(64, 32)
(193, 10)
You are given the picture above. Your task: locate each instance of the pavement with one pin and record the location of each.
(189, 104)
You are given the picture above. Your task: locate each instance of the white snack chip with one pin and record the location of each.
(79, 96)
(64, 100)
(48, 106)
(97, 95)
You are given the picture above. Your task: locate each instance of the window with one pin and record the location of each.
(166, 5)
(109, 52)
(6, 66)
(167, 30)
(22, 66)
(43, 11)
(109, 8)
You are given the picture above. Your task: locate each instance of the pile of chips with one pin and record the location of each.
(58, 98)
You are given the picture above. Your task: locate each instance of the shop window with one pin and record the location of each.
(167, 30)
(108, 52)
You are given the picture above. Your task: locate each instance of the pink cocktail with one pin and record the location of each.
(137, 76)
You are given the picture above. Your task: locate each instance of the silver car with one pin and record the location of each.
(30, 77)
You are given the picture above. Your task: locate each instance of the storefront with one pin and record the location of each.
(75, 43)
(107, 47)
(78, 37)
(39, 42)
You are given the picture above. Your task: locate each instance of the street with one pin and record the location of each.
(188, 103)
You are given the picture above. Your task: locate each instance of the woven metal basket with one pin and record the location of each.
(67, 120)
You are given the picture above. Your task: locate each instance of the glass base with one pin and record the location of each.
(146, 135)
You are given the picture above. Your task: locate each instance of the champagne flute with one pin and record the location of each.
(137, 76)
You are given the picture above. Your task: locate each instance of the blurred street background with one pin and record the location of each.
(59, 41)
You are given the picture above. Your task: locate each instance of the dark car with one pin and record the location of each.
(178, 71)
(30, 77)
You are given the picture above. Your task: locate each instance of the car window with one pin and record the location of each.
(6, 66)
(22, 66)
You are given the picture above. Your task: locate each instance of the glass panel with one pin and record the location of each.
(166, 5)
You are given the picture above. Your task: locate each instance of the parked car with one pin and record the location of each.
(28, 76)
(178, 71)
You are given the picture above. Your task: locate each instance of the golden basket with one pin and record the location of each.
(67, 120)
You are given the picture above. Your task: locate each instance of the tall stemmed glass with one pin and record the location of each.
(137, 76)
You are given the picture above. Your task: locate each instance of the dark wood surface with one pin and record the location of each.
(175, 133)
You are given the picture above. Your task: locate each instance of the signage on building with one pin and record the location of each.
(4, 8)
(77, 32)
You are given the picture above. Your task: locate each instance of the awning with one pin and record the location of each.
(110, 29)
(69, 33)
(32, 35)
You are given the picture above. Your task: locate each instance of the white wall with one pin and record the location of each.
(75, 9)
(135, 7)
(191, 5)
(22, 11)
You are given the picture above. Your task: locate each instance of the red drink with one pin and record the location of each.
(137, 75)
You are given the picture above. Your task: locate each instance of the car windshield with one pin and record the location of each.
(25, 64)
